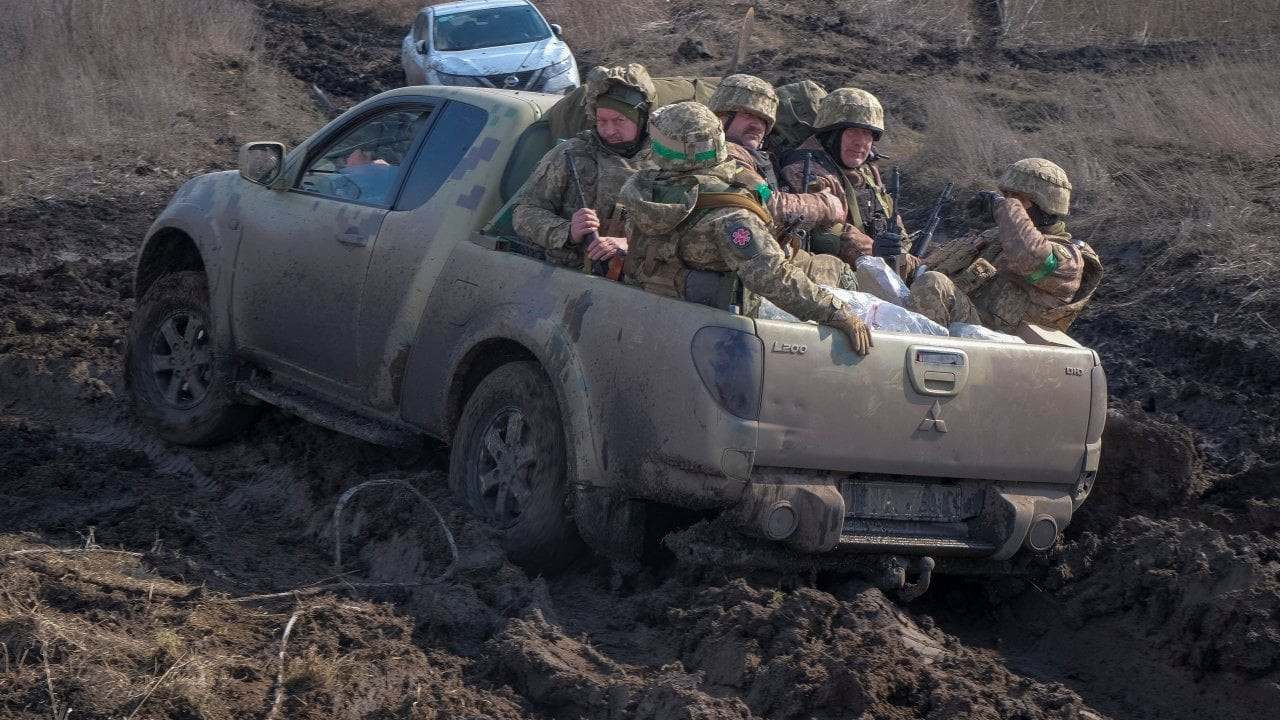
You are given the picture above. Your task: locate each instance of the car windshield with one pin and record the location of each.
(490, 27)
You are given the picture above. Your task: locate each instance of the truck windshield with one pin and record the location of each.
(490, 27)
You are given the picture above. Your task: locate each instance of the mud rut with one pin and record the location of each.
(1162, 604)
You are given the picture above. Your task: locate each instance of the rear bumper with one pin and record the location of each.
(813, 513)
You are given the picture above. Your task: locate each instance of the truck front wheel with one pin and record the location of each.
(169, 368)
(507, 465)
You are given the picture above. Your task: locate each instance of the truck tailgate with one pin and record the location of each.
(927, 406)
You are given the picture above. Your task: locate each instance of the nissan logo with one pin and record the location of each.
(511, 81)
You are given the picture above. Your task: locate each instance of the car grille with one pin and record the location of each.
(526, 80)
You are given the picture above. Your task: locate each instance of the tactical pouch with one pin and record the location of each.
(972, 278)
(707, 287)
(824, 242)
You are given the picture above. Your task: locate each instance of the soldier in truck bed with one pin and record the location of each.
(748, 106)
(615, 147)
(1027, 268)
(849, 122)
(700, 234)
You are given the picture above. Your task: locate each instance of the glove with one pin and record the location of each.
(982, 206)
(908, 267)
(854, 244)
(853, 328)
(887, 244)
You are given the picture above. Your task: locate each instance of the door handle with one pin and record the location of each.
(937, 371)
(353, 237)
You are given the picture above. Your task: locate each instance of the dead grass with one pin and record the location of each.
(1177, 157)
(90, 85)
(1072, 22)
(392, 12)
(893, 20)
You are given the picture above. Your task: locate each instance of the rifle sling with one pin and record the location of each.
(709, 200)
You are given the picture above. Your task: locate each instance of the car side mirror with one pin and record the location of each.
(556, 29)
(261, 162)
(422, 47)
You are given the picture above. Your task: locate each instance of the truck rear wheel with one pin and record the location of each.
(507, 465)
(169, 368)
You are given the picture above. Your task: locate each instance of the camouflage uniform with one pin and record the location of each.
(797, 211)
(1015, 272)
(697, 233)
(863, 199)
(549, 199)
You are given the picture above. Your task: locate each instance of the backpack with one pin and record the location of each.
(568, 117)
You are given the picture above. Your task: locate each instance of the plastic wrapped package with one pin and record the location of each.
(876, 277)
(876, 313)
(980, 332)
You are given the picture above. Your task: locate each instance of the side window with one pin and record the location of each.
(365, 163)
(451, 136)
(534, 142)
(420, 27)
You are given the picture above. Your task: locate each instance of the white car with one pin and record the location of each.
(488, 43)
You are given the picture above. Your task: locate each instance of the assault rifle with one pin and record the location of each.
(897, 194)
(878, 227)
(792, 238)
(921, 244)
(598, 267)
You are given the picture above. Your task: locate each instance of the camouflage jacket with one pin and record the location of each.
(819, 209)
(549, 199)
(860, 193)
(1041, 275)
(669, 238)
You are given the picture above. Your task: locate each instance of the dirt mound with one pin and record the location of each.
(347, 55)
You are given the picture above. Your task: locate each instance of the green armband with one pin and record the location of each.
(1045, 270)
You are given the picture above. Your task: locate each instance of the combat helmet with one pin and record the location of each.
(687, 136)
(626, 88)
(1043, 181)
(850, 107)
(746, 93)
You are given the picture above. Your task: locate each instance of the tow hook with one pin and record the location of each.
(895, 576)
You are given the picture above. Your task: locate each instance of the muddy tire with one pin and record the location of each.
(174, 383)
(507, 466)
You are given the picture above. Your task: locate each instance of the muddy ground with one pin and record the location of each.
(148, 581)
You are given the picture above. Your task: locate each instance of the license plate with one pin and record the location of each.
(911, 501)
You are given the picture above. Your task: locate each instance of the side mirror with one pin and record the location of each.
(422, 47)
(261, 162)
(556, 29)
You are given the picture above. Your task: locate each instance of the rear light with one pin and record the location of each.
(731, 365)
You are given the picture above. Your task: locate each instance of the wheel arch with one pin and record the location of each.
(562, 369)
(480, 360)
(168, 250)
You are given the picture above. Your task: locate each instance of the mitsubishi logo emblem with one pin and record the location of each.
(934, 421)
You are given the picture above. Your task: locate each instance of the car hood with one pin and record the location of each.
(504, 59)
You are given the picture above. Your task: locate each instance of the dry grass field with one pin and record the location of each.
(145, 581)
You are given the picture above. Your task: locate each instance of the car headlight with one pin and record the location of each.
(460, 80)
(560, 68)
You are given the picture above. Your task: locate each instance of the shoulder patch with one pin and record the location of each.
(744, 241)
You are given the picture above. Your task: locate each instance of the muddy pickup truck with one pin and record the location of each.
(367, 281)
